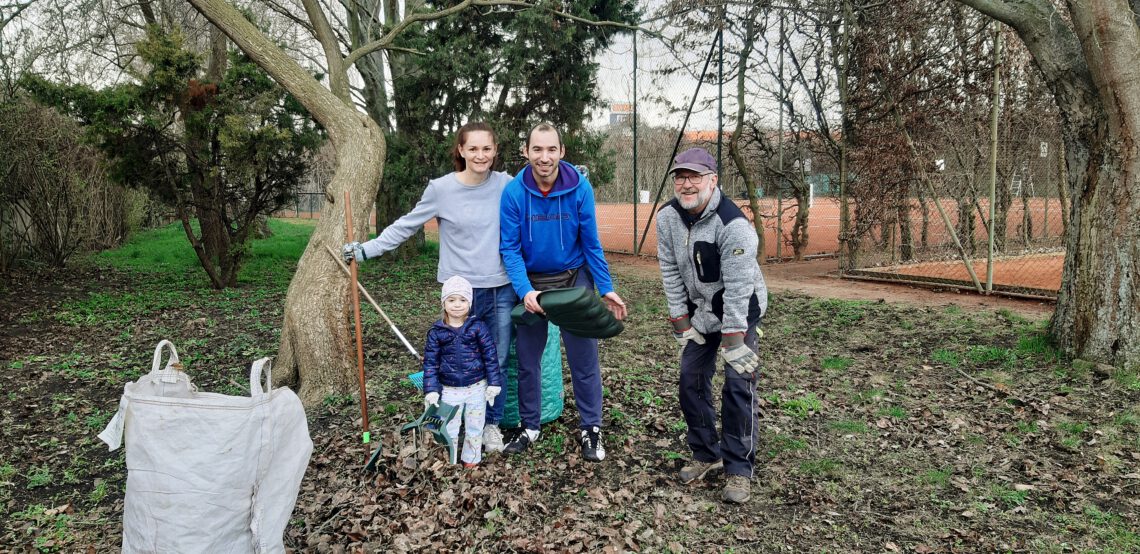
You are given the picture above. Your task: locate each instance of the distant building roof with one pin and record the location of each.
(621, 108)
(704, 136)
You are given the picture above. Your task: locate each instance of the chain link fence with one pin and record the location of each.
(928, 225)
(678, 96)
(943, 237)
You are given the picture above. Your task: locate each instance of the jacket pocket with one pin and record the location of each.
(706, 260)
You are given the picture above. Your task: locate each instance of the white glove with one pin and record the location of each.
(683, 331)
(492, 392)
(735, 353)
(431, 399)
(353, 251)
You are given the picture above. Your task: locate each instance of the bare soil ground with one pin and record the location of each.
(892, 420)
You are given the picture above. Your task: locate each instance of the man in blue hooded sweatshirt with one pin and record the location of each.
(549, 239)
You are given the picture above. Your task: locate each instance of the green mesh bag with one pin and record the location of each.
(552, 392)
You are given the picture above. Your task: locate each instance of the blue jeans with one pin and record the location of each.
(493, 305)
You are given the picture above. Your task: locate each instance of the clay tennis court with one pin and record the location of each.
(616, 223)
(1034, 274)
(1037, 274)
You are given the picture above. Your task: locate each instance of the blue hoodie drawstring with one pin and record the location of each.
(561, 244)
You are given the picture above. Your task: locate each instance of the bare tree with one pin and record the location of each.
(1086, 51)
(315, 356)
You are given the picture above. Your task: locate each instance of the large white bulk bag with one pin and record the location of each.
(208, 472)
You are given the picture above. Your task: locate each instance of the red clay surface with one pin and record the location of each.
(1036, 272)
(615, 224)
(819, 278)
(619, 223)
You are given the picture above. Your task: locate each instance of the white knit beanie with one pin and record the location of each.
(456, 285)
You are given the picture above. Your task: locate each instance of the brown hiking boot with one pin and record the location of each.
(697, 469)
(736, 489)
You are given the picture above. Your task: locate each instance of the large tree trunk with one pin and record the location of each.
(316, 352)
(316, 355)
(1091, 69)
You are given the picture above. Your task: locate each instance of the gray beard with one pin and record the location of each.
(702, 197)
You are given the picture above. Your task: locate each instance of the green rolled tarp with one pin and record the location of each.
(576, 310)
(552, 391)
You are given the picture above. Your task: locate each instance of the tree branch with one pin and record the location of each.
(385, 42)
(338, 80)
(18, 7)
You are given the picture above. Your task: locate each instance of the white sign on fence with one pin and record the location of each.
(643, 196)
(1044, 149)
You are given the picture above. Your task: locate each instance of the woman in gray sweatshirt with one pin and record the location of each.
(465, 203)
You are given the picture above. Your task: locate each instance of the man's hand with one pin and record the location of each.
(615, 305)
(735, 353)
(354, 251)
(683, 331)
(531, 302)
(431, 399)
(492, 392)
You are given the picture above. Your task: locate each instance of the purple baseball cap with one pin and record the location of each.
(695, 159)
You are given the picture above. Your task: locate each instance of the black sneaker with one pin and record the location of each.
(592, 449)
(519, 444)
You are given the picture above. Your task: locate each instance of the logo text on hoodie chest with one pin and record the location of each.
(550, 217)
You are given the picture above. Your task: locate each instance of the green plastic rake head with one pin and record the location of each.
(434, 420)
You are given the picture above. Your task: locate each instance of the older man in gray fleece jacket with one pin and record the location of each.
(716, 296)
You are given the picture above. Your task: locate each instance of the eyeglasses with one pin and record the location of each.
(692, 179)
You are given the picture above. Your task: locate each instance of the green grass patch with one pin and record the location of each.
(823, 467)
(1113, 532)
(1008, 497)
(839, 363)
(870, 396)
(947, 357)
(1127, 379)
(1071, 432)
(39, 477)
(982, 355)
(802, 407)
(894, 412)
(1127, 419)
(119, 308)
(937, 478)
(779, 444)
(167, 251)
(1010, 316)
(1037, 344)
(849, 426)
(843, 312)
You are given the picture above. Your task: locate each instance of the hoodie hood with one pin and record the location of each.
(568, 179)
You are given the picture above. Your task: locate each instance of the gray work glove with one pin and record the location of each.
(431, 399)
(354, 251)
(735, 353)
(683, 331)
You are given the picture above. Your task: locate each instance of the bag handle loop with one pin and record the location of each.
(263, 365)
(174, 363)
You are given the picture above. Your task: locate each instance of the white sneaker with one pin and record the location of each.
(492, 439)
